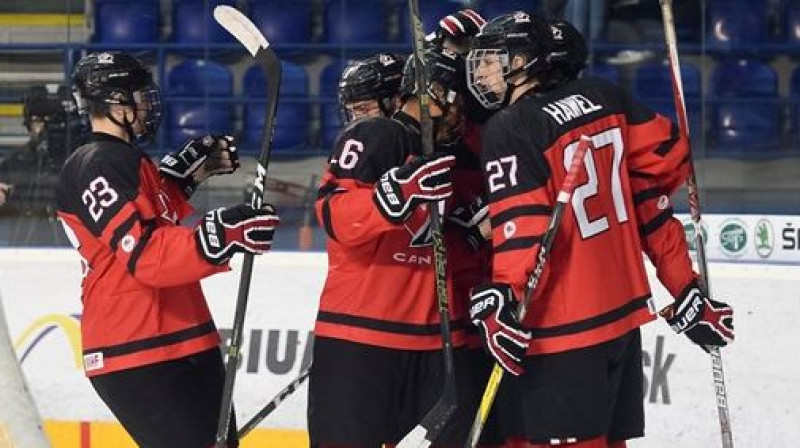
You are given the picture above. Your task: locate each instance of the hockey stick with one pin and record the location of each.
(274, 403)
(694, 210)
(562, 199)
(423, 435)
(248, 35)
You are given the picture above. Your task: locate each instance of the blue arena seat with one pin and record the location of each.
(281, 21)
(737, 23)
(606, 71)
(652, 85)
(356, 21)
(292, 118)
(493, 8)
(193, 22)
(792, 21)
(747, 113)
(126, 22)
(195, 80)
(330, 114)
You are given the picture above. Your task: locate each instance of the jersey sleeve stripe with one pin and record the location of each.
(526, 242)
(147, 232)
(656, 223)
(520, 210)
(645, 195)
(599, 320)
(155, 342)
(674, 136)
(123, 229)
(327, 218)
(388, 326)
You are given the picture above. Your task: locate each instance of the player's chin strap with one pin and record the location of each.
(512, 86)
(125, 124)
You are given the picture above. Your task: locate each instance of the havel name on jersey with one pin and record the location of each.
(570, 107)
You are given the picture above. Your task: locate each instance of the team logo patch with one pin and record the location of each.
(128, 243)
(764, 238)
(663, 202)
(509, 229)
(105, 58)
(93, 361)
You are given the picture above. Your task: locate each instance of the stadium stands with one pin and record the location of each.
(122, 22)
(197, 91)
(746, 113)
(284, 22)
(652, 85)
(292, 119)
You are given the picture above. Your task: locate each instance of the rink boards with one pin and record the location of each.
(40, 289)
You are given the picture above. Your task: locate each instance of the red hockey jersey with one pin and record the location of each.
(380, 284)
(594, 287)
(142, 301)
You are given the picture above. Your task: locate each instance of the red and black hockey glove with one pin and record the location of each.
(705, 322)
(492, 308)
(424, 179)
(225, 231)
(468, 218)
(199, 159)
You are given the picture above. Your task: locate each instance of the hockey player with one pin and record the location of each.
(371, 87)
(150, 347)
(580, 338)
(377, 362)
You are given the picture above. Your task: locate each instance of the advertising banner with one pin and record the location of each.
(41, 294)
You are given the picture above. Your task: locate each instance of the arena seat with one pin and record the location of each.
(652, 85)
(746, 113)
(126, 22)
(791, 19)
(737, 23)
(356, 21)
(493, 8)
(193, 22)
(281, 21)
(195, 80)
(292, 118)
(605, 71)
(330, 116)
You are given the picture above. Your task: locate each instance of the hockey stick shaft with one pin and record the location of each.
(274, 403)
(695, 212)
(564, 195)
(254, 41)
(432, 423)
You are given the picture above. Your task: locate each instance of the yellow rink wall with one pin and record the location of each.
(73, 434)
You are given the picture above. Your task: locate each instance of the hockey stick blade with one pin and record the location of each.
(564, 195)
(241, 28)
(274, 403)
(257, 45)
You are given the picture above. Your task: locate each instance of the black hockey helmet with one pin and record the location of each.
(375, 78)
(504, 38)
(568, 55)
(104, 79)
(445, 68)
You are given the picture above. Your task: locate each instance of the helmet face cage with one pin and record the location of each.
(148, 99)
(487, 69)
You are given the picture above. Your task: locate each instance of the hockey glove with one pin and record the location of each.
(225, 231)
(199, 159)
(469, 218)
(705, 322)
(492, 308)
(424, 179)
